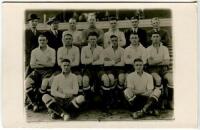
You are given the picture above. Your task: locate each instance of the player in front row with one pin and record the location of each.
(64, 100)
(112, 77)
(140, 91)
(42, 62)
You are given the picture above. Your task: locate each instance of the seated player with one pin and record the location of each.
(92, 60)
(70, 52)
(140, 92)
(133, 51)
(112, 77)
(158, 61)
(64, 101)
(42, 61)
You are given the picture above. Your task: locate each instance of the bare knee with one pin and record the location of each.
(105, 79)
(156, 78)
(111, 79)
(169, 78)
(86, 81)
(45, 83)
(80, 80)
(121, 78)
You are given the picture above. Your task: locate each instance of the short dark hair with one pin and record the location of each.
(113, 36)
(65, 60)
(134, 34)
(42, 35)
(112, 18)
(138, 60)
(155, 33)
(93, 34)
(135, 17)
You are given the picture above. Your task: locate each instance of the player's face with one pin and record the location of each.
(113, 24)
(66, 67)
(135, 23)
(42, 41)
(92, 21)
(134, 39)
(155, 23)
(33, 23)
(114, 41)
(67, 40)
(72, 23)
(54, 26)
(92, 40)
(155, 38)
(138, 65)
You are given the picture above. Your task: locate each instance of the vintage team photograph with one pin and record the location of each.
(98, 65)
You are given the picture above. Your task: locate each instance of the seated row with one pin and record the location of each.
(93, 54)
(80, 37)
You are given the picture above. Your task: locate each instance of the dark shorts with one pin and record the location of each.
(160, 69)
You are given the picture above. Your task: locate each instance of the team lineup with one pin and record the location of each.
(69, 72)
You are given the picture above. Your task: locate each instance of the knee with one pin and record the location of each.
(45, 83)
(121, 78)
(111, 78)
(156, 93)
(80, 99)
(80, 80)
(169, 79)
(86, 81)
(29, 84)
(128, 94)
(156, 78)
(47, 99)
(105, 79)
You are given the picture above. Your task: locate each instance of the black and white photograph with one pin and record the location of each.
(98, 65)
(105, 65)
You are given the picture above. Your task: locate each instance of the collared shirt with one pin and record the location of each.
(131, 53)
(135, 30)
(77, 36)
(137, 82)
(73, 54)
(87, 55)
(112, 54)
(47, 56)
(63, 85)
(118, 33)
(161, 53)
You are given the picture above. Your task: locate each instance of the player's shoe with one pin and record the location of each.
(137, 114)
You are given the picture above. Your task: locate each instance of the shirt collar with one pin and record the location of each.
(156, 29)
(132, 46)
(135, 29)
(46, 48)
(92, 27)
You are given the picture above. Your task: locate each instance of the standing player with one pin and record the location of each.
(158, 61)
(93, 28)
(133, 51)
(77, 35)
(165, 39)
(31, 39)
(112, 77)
(135, 29)
(91, 58)
(140, 92)
(114, 31)
(42, 61)
(64, 101)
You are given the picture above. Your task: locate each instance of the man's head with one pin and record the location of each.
(33, 20)
(91, 19)
(113, 22)
(135, 21)
(138, 65)
(134, 38)
(66, 65)
(53, 22)
(114, 40)
(155, 22)
(155, 37)
(72, 23)
(67, 38)
(92, 38)
(42, 40)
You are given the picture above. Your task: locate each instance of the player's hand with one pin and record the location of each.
(129, 56)
(49, 59)
(117, 60)
(68, 95)
(107, 59)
